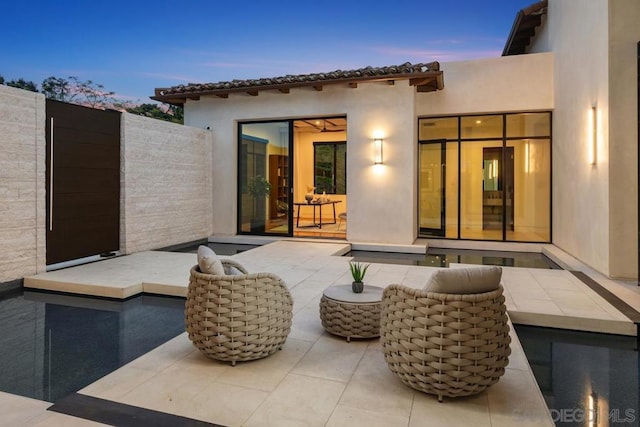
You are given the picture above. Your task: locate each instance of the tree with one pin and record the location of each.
(23, 84)
(57, 88)
(163, 112)
(80, 92)
(94, 94)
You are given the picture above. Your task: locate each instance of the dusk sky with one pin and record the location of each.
(132, 47)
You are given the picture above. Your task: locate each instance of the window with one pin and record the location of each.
(330, 167)
(486, 177)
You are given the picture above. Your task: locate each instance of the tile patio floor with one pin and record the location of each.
(317, 379)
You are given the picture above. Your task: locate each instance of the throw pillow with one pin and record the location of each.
(209, 262)
(468, 280)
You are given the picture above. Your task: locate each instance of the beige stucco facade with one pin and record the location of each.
(382, 199)
(595, 207)
(583, 55)
(376, 193)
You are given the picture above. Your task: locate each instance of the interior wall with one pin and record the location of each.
(375, 193)
(303, 170)
(22, 183)
(581, 211)
(624, 35)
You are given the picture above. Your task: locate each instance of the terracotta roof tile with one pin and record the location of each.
(406, 70)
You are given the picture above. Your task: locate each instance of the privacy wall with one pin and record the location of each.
(22, 188)
(166, 184)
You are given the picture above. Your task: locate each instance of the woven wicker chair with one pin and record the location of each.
(445, 344)
(237, 317)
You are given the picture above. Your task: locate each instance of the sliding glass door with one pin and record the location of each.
(264, 178)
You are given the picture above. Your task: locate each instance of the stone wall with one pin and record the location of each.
(166, 184)
(22, 183)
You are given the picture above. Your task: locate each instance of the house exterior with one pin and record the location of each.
(539, 145)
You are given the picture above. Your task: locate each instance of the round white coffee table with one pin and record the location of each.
(351, 315)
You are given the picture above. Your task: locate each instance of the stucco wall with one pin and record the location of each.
(624, 34)
(581, 211)
(166, 184)
(22, 183)
(376, 194)
(512, 83)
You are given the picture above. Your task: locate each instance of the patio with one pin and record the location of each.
(317, 379)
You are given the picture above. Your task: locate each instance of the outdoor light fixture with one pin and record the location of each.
(377, 151)
(594, 134)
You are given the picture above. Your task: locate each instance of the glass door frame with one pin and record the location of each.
(289, 179)
(505, 139)
(443, 205)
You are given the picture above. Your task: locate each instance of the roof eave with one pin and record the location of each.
(522, 28)
(425, 82)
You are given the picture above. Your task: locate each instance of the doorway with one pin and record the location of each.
(82, 181)
(292, 177)
(497, 188)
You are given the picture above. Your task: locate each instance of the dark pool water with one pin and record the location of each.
(578, 372)
(436, 257)
(227, 249)
(52, 345)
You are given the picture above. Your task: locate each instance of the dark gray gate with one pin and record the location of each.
(83, 181)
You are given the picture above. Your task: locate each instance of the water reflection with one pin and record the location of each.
(52, 345)
(581, 374)
(437, 257)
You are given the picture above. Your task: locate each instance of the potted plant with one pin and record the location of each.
(259, 188)
(358, 270)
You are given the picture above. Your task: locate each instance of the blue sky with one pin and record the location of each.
(132, 47)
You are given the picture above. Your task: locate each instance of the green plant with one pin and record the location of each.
(358, 270)
(258, 186)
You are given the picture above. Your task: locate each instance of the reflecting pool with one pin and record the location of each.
(52, 344)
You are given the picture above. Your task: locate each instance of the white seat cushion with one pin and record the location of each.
(209, 262)
(468, 280)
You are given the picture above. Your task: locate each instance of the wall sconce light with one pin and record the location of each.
(377, 151)
(594, 134)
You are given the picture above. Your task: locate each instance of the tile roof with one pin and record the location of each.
(426, 76)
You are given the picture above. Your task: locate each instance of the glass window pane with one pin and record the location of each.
(438, 183)
(330, 168)
(438, 128)
(532, 191)
(264, 178)
(481, 127)
(528, 124)
(481, 211)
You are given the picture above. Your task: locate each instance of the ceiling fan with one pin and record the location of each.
(324, 127)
